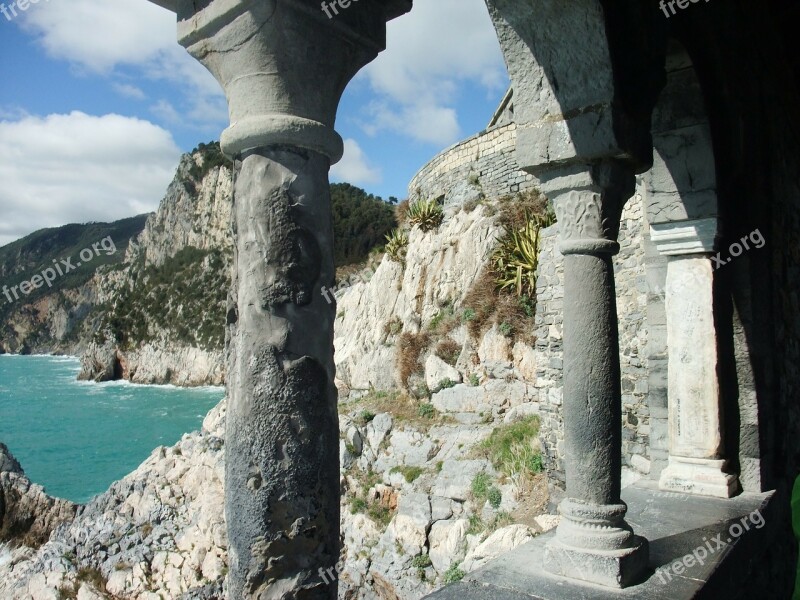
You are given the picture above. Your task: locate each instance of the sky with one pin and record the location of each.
(98, 102)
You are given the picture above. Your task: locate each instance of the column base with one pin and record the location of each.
(700, 476)
(610, 568)
(593, 543)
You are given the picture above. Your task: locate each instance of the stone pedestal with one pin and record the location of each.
(696, 441)
(593, 542)
(283, 65)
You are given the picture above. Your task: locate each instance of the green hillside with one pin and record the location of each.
(59, 250)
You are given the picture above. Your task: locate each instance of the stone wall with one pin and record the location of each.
(632, 304)
(484, 164)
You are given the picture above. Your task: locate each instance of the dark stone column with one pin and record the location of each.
(284, 65)
(282, 461)
(593, 541)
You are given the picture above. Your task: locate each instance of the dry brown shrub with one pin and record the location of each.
(516, 209)
(448, 350)
(401, 212)
(410, 347)
(481, 300)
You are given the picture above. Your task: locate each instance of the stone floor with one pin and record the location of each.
(676, 525)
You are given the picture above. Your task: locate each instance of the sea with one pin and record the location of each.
(75, 438)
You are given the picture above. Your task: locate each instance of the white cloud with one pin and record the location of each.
(104, 36)
(129, 91)
(67, 168)
(354, 167)
(431, 53)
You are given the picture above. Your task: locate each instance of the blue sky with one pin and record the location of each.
(98, 101)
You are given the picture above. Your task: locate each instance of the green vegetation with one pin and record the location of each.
(454, 574)
(512, 449)
(480, 486)
(411, 474)
(445, 384)
(361, 221)
(474, 380)
(212, 158)
(22, 259)
(796, 523)
(425, 214)
(427, 411)
(495, 497)
(517, 257)
(365, 417)
(396, 245)
(186, 296)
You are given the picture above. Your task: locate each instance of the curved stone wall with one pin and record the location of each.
(483, 164)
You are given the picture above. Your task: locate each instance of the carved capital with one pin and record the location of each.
(283, 64)
(589, 213)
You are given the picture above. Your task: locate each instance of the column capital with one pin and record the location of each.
(588, 202)
(697, 236)
(284, 64)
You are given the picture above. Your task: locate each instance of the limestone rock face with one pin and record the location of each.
(26, 512)
(160, 530)
(440, 268)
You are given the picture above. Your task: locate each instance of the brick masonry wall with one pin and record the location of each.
(483, 165)
(632, 306)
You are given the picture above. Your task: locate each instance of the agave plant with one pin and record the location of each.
(427, 214)
(396, 245)
(517, 257)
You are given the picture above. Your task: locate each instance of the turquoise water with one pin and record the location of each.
(76, 438)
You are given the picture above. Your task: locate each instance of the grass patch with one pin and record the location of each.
(513, 450)
(411, 474)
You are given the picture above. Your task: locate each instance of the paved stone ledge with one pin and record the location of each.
(675, 524)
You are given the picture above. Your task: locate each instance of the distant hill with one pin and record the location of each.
(59, 250)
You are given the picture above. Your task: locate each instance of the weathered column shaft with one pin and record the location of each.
(283, 65)
(592, 396)
(282, 481)
(593, 542)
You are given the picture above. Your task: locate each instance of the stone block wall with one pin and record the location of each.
(484, 164)
(632, 305)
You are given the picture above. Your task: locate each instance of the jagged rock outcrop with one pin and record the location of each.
(160, 532)
(27, 514)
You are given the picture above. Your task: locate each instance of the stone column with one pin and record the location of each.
(593, 541)
(696, 443)
(284, 65)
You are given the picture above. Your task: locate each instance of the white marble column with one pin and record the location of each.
(697, 462)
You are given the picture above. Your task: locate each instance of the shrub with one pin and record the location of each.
(397, 245)
(448, 350)
(426, 410)
(426, 214)
(474, 380)
(495, 497)
(392, 327)
(445, 384)
(517, 257)
(480, 486)
(454, 574)
(506, 328)
(410, 347)
(468, 315)
(401, 211)
(366, 416)
(421, 561)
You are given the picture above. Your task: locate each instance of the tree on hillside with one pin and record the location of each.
(360, 222)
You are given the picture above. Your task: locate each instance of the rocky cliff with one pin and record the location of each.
(439, 452)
